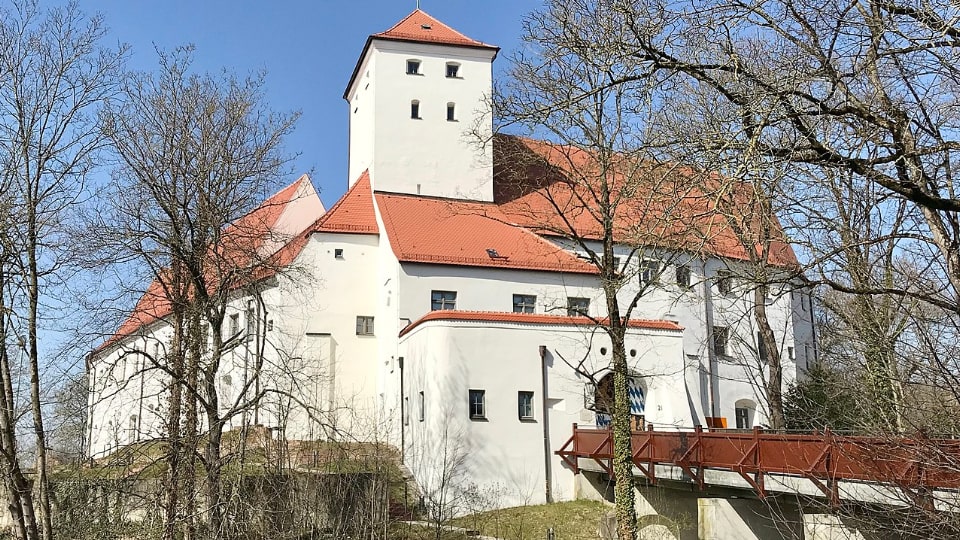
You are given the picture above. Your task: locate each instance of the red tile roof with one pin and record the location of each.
(239, 242)
(422, 28)
(550, 189)
(419, 27)
(353, 213)
(456, 232)
(531, 318)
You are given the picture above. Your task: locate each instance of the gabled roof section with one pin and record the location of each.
(554, 190)
(270, 236)
(532, 318)
(420, 27)
(467, 233)
(353, 213)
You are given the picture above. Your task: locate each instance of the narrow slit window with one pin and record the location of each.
(451, 112)
(415, 109)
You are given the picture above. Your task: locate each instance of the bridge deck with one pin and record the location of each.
(917, 465)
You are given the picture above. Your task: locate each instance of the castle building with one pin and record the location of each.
(433, 308)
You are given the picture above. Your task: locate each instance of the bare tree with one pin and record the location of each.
(54, 74)
(197, 153)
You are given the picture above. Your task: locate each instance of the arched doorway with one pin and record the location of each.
(603, 401)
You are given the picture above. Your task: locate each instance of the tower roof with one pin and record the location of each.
(420, 27)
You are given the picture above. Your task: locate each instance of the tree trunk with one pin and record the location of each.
(36, 406)
(774, 378)
(175, 365)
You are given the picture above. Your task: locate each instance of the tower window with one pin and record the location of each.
(453, 70)
(451, 112)
(415, 109)
(413, 67)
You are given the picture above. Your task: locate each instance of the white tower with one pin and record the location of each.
(415, 95)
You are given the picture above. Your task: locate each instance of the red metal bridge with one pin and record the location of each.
(916, 465)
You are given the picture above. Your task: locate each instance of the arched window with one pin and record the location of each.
(415, 109)
(745, 411)
(603, 401)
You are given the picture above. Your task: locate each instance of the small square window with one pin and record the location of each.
(338, 253)
(578, 307)
(724, 282)
(364, 325)
(413, 67)
(440, 300)
(721, 334)
(525, 405)
(524, 303)
(683, 277)
(478, 406)
(453, 70)
(649, 272)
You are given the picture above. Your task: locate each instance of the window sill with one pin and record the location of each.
(479, 419)
(415, 74)
(529, 420)
(455, 77)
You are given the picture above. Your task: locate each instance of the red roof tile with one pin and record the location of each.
(421, 27)
(531, 318)
(655, 205)
(456, 232)
(353, 213)
(239, 241)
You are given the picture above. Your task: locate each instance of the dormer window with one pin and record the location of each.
(451, 112)
(453, 70)
(413, 67)
(415, 109)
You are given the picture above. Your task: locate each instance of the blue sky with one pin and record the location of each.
(308, 49)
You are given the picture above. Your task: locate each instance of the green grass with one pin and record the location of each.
(577, 520)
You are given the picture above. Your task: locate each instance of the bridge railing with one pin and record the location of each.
(914, 464)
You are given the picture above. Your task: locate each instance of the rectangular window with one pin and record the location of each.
(415, 110)
(364, 325)
(453, 70)
(525, 405)
(251, 319)
(743, 417)
(422, 407)
(524, 303)
(761, 348)
(724, 282)
(649, 272)
(578, 307)
(790, 353)
(683, 277)
(440, 300)
(234, 325)
(406, 411)
(413, 67)
(720, 338)
(204, 338)
(478, 408)
(451, 112)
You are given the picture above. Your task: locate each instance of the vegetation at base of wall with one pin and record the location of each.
(569, 520)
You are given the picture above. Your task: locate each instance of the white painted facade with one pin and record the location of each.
(349, 385)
